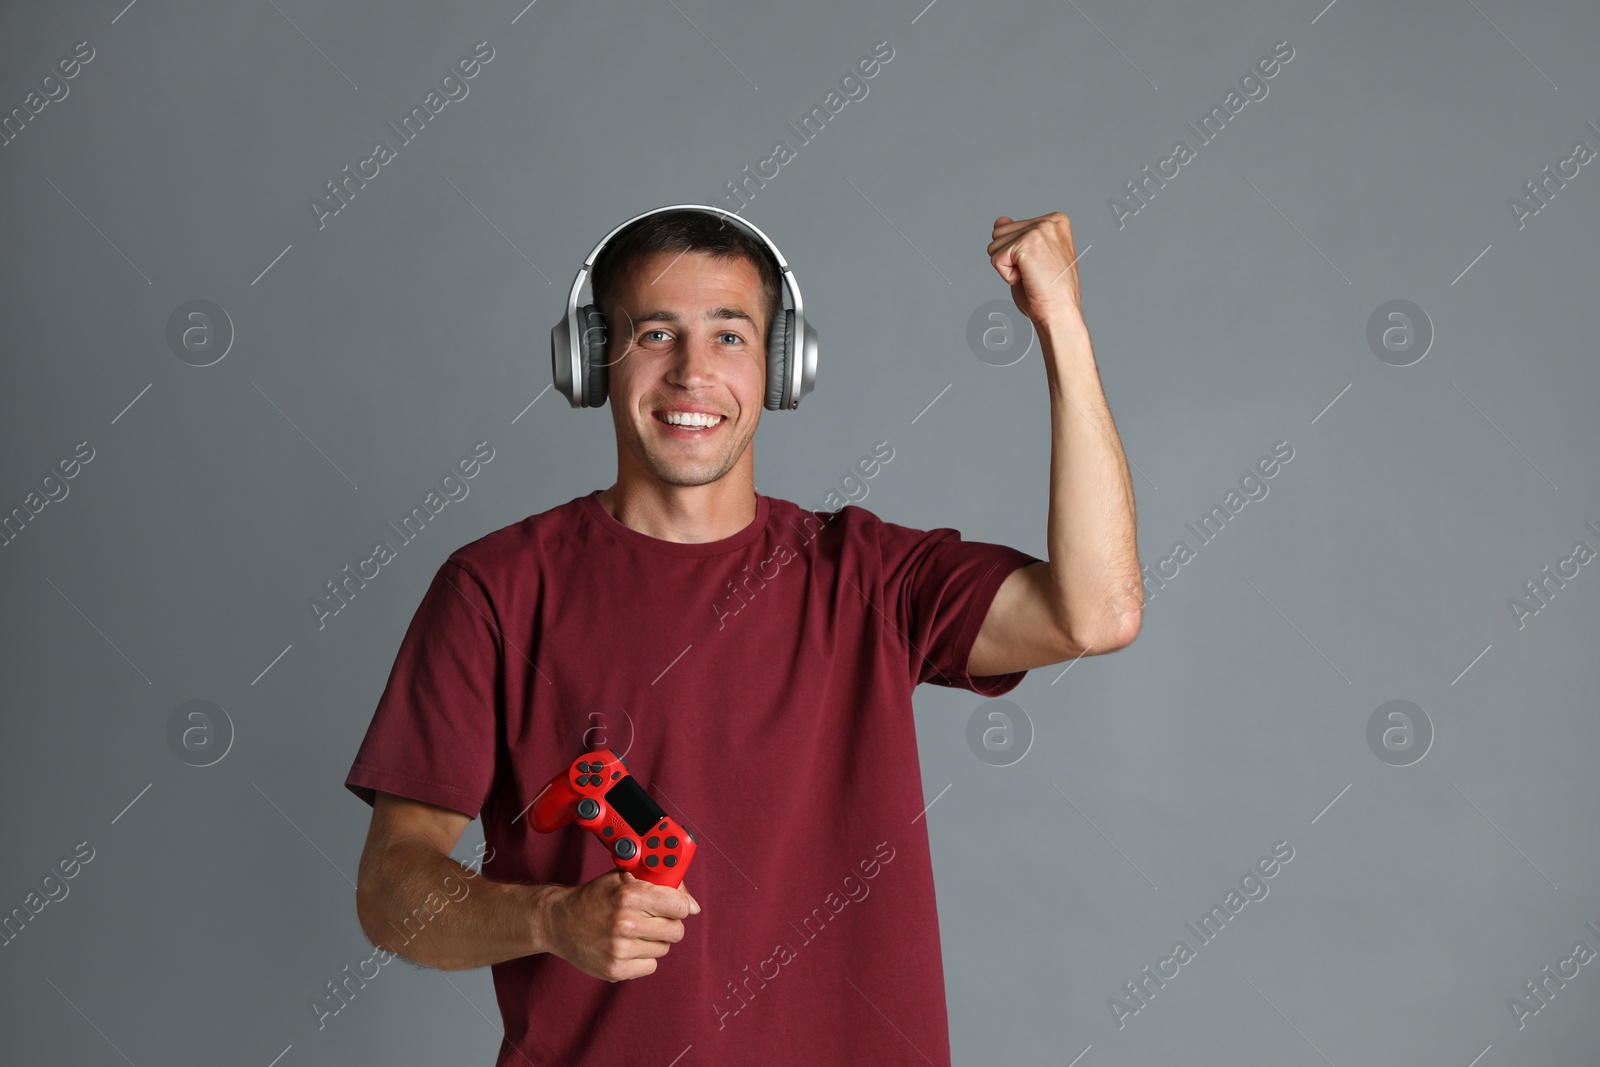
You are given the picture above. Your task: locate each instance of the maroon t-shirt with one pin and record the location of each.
(760, 689)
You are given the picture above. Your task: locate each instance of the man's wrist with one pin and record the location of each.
(1065, 334)
(540, 903)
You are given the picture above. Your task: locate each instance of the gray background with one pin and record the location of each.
(1225, 318)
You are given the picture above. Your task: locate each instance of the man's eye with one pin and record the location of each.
(736, 338)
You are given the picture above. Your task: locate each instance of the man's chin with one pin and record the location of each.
(687, 476)
(671, 466)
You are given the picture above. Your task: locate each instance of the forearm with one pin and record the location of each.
(425, 906)
(1092, 542)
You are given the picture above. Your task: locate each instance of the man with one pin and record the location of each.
(755, 663)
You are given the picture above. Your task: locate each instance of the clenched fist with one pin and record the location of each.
(1037, 259)
(616, 926)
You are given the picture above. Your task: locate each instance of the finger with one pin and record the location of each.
(1004, 235)
(636, 969)
(623, 972)
(665, 903)
(1006, 224)
(654, 928)
(1003, 262)
(1014, 229)
(641, 948)
(1010, 238)
(645, 967)
(694, 905)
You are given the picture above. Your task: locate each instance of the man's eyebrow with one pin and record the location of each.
(666, 315)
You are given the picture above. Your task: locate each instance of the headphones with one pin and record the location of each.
(578, 349)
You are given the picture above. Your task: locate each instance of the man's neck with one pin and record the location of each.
(686, 514)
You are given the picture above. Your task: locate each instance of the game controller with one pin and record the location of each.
(599, 794)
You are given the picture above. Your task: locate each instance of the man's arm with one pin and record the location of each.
(1089, 598)
(412, 899)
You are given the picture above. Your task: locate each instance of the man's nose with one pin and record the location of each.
(693, 358)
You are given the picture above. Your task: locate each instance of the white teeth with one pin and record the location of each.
(691, 419)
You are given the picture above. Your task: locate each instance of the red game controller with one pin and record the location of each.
(602, 797)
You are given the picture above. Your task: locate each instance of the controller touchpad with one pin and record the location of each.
(629, 800)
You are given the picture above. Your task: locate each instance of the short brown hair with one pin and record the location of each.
(682, 231)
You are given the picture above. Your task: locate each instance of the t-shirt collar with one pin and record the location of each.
(629, 536)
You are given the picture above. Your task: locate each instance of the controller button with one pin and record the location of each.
(583, 765)
(650, 861)
(626, 848)
(588, 808)
(672, 842)
(653, 841)
(615, 775)
(671, 861)
(607, 831)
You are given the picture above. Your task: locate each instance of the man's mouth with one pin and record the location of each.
(689, 424)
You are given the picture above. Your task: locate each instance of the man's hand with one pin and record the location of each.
(1036, 258)
(616, 926)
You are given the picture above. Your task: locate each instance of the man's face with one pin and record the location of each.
(688, 336)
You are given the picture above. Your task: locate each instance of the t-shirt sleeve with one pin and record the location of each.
(942, 587)
(433, 735)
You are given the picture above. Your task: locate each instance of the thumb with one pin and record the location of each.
(694, 905)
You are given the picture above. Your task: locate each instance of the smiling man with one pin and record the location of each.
(786, 743)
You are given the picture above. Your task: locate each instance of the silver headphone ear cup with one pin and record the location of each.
(805, 349)
(561, 361)
(592, 349)
(778, 359)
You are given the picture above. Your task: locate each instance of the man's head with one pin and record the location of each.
(688, 301)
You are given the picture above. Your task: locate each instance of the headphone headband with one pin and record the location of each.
(795, 361)
(707, 209)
